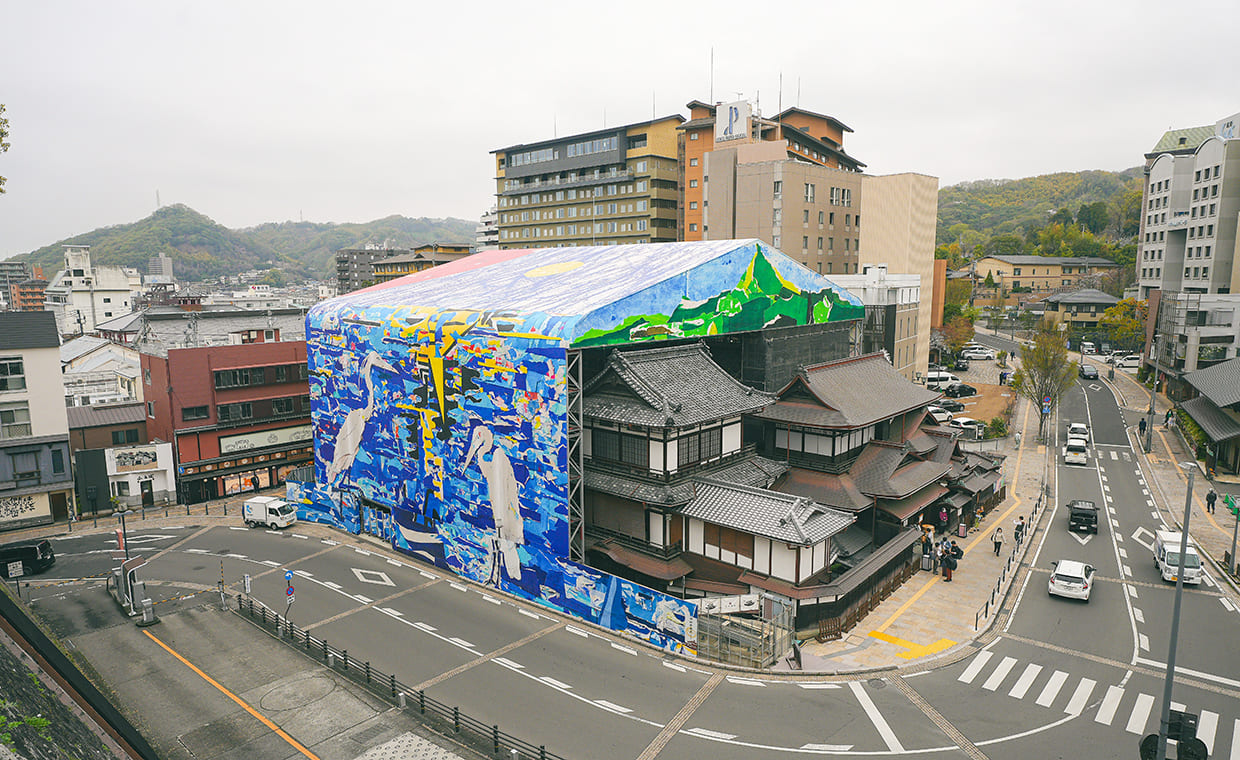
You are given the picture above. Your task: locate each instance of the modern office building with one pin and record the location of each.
(229, 390)
(1189, 207)
(608, 187)
(11, 273)
(354, 266)
(159, 269)
(892, 323)
(36, 482)
(28, 295)
(486, 234)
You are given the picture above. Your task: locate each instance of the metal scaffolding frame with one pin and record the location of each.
(576, 460)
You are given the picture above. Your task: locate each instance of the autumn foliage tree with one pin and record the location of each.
(1125, 322)
(957, 332)
(1046, 373)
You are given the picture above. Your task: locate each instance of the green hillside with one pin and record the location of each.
(201, 249)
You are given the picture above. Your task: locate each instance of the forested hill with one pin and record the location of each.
(992, 207)
(201, 249)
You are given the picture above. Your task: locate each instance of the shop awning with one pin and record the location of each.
(1214, 422)
(902, 509)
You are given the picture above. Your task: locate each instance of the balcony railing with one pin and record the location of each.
(644, 473)
(636, 544)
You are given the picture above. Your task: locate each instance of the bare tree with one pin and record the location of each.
(1046, 373)
(4, 145)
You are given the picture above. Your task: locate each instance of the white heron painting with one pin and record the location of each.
(503, 492)
(349, 438)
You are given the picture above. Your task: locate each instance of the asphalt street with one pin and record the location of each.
(1061, 678)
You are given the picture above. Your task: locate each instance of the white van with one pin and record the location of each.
(937, 381)
(1131, 361)
(1076, 451)
(1088, 348)
(269, 511)
(1167, 557)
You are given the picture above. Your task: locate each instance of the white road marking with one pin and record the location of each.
(1114, 455)
(1025, 681)
(1139, 532)
(1118, 537)
(237, 527)
(236, 556)
(1235, 739)
(1138, 614)
(1111, 510)
(819, 685)
(394, 562)
(1082, 540)
(461, 642)
(491, 599)
(1000, 673)
(674, 666)
(269, 563)
(303, 573)
(1132, 591)
(197, 551)
(1123, 553)
(744, 681)
(1207, 726)
(1110, 703)
(1114, 523)
(622, 648)
(876, 717)
(273, 532)
(377, 577)
(1127, 570)
(425, 574)
(1154, 515)
(560, 684)
(827, 747)
(303, 538)
(390, 611)
(1144, 642)
(1227, 604)
(1190, 672)
(1177, 706)
(329, 542)
(612, 706)
(509, 663)
(333, 586)
(1051, 690)
(424, 626)
(362, 552)
(1206, 577)
(529, 614)
(1079, 697)
(710, 734)
(363, 599)
(1140, 714)
(975, 667)
(458, 586)
(577, 631)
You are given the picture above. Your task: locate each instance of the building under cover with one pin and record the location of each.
(448, 406)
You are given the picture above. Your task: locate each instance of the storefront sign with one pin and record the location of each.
(264, 438)
(732, 121)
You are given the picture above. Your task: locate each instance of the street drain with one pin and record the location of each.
(876, 683)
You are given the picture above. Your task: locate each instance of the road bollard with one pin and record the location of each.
(400, 700)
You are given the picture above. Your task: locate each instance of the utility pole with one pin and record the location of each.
(1149, 426)
(1164, 725)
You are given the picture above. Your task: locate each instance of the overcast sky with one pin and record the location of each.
(273, 111)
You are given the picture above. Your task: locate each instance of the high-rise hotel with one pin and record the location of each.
(609, 187)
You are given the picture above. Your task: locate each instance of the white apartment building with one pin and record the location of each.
(892, 307)
(81, 296)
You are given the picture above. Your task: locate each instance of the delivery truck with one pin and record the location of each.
(269, 511)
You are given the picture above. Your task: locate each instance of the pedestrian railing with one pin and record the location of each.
(445, 719)
(1007, 571)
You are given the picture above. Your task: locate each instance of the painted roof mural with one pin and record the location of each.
(603, 295)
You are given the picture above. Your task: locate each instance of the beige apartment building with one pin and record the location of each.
(608, 187)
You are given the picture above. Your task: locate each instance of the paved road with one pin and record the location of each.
(1062, 678)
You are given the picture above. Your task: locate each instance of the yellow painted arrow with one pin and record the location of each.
(914, 650)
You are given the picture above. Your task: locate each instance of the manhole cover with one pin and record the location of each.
(876, 683)
(299, 693)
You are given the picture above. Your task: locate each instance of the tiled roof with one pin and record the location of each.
(848, 393)
(755, 471)
(1069, 261)
(837, 491)
(99, 415)
(1087, 295)
(1214, 421)
(674, 386)
(1220, 382)
(880, 471)
(1193, 137)
(791, 519)
(80, 347)
(29, 329)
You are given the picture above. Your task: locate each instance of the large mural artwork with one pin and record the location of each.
(439, 403)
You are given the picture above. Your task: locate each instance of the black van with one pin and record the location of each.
(1083, 515)
(35, 556)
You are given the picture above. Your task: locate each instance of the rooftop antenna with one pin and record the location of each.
(652, 116)
(712, 76)
(554, 133)
(158, 205)
(798, 92)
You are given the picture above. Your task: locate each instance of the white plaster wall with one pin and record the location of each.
(783, 561)
(656, 455)
(762, 555)
(655, 520)
(732, 438)
(695, 537)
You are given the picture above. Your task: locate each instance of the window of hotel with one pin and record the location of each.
(847, 220)
(820, 218)
(193, 413)
(14, 420)
(693, 162)
(805, 216)
(779, 188)
(820, 244)
(693, 183)
(692, 205)
(809, 192)
(693, 135)
(831, 219)
(804, 243)
(12, 373)
(693, 228)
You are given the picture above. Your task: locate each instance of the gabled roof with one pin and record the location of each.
(880, 470)
(1067, 261)
(1213, 421)
(101, 415)
(674, 386)
(602, 295)
(838, 491)
(788, 111)
(1219, 382)
(1086, 296)
(29, 329)
(791, 519)
(848, 393)
(1182, 140)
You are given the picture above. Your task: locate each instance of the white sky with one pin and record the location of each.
(350, 111)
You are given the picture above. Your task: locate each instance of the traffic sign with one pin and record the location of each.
(1046, 401)
(289, 599)
(247, 583)
(289, 592)
(16, 569)
(1046, 409)
(288, 575)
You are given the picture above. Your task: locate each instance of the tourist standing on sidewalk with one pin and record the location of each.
(957, 554)
(997, 538)
(1141, 426)
(1210, 499)
(949, 564)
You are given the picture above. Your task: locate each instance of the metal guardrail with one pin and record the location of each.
(432, 712)
(996, 593)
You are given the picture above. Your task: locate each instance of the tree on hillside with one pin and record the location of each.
(1093, 217)
(1062, 216)
(1129, 222)
(1005, 245)
(1045, 374)
(1124, 322)
(4, 145)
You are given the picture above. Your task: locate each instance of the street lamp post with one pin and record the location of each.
(1164, 724)
(125, 531)
(1149, 427)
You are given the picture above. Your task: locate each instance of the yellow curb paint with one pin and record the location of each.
(904, 607)
(914, 650)
(1196, 496)
(241, 703)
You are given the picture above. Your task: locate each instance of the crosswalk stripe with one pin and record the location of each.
(999, 674)
(1207, 725)
(1114, 455)
(1025, 681)
(1110, 703)
(1140, 714)
(975, 667)
(1079, 697)
(1051, 690)
(1235, 739)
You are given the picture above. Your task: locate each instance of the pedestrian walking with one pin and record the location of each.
(997, 538)
(1141, 426)
(1020, 529)
(1167, 419)
(1210, 499)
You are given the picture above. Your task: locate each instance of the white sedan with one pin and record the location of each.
(1071, 579)
(979, 354)
(1078, 430)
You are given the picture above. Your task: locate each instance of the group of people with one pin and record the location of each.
(949, 557)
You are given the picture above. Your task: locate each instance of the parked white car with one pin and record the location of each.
(1131, 361)
(940, 415)
(979, 354)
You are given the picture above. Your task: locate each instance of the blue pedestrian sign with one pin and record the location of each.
(288, 575)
